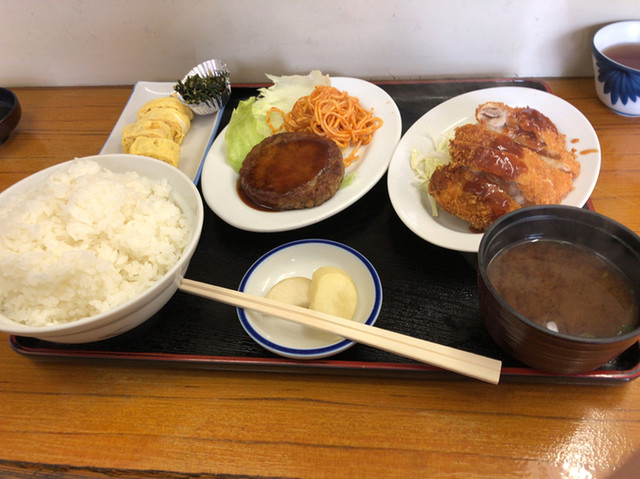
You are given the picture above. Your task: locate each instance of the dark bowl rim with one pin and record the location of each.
(12, 103)
(551, 208)
(13, 98)
(10, 93)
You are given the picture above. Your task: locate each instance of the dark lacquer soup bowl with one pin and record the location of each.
(559, 287)
(10, 112)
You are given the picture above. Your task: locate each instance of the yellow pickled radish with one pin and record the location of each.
(333, 292)
(294, 290)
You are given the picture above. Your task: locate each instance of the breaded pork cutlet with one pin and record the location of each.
(484, 150)
(513, 157)
(533, 130)
(470, 195)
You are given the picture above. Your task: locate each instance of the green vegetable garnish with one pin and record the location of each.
(243, 133)
(248, 124)
(197, 89)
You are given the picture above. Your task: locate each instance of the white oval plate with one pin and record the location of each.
(410, 200)
(302, 258)
(219, 179)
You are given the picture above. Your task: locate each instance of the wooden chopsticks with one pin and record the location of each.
(444, 357)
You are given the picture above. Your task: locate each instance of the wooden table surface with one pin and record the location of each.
(99, 419)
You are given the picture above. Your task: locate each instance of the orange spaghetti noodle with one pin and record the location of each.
(333, 114)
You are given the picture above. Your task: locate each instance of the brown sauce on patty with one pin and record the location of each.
(291, 171)
(292, 165)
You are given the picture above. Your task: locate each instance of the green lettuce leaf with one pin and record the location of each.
(243, 133)
(248, 124)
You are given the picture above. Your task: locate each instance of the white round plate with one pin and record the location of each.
(302, 258)
(219, 180)
(410, 200)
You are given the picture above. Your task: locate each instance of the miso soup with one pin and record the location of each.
(566, 288)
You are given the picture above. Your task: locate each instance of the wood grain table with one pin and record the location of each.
(82, 418)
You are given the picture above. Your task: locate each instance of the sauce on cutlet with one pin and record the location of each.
(531, 119)
(495, 153)
(503, 157)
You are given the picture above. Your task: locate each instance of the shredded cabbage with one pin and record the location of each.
(424, 164)
(248, 125)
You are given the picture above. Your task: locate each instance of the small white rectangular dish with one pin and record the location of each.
(196, 143)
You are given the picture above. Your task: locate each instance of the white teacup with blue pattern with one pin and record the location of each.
(617, 85)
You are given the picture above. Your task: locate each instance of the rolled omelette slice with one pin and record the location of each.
(170, 102)
(159, 148)
(148, 128)
(176, 120)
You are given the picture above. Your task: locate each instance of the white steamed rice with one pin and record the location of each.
(85, 241)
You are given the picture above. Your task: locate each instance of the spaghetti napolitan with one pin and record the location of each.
(333, 114)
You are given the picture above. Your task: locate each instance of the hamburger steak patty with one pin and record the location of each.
(290, 171)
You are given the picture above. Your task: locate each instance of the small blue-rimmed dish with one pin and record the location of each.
(302, 258)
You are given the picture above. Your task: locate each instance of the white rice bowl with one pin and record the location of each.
(95, 246)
